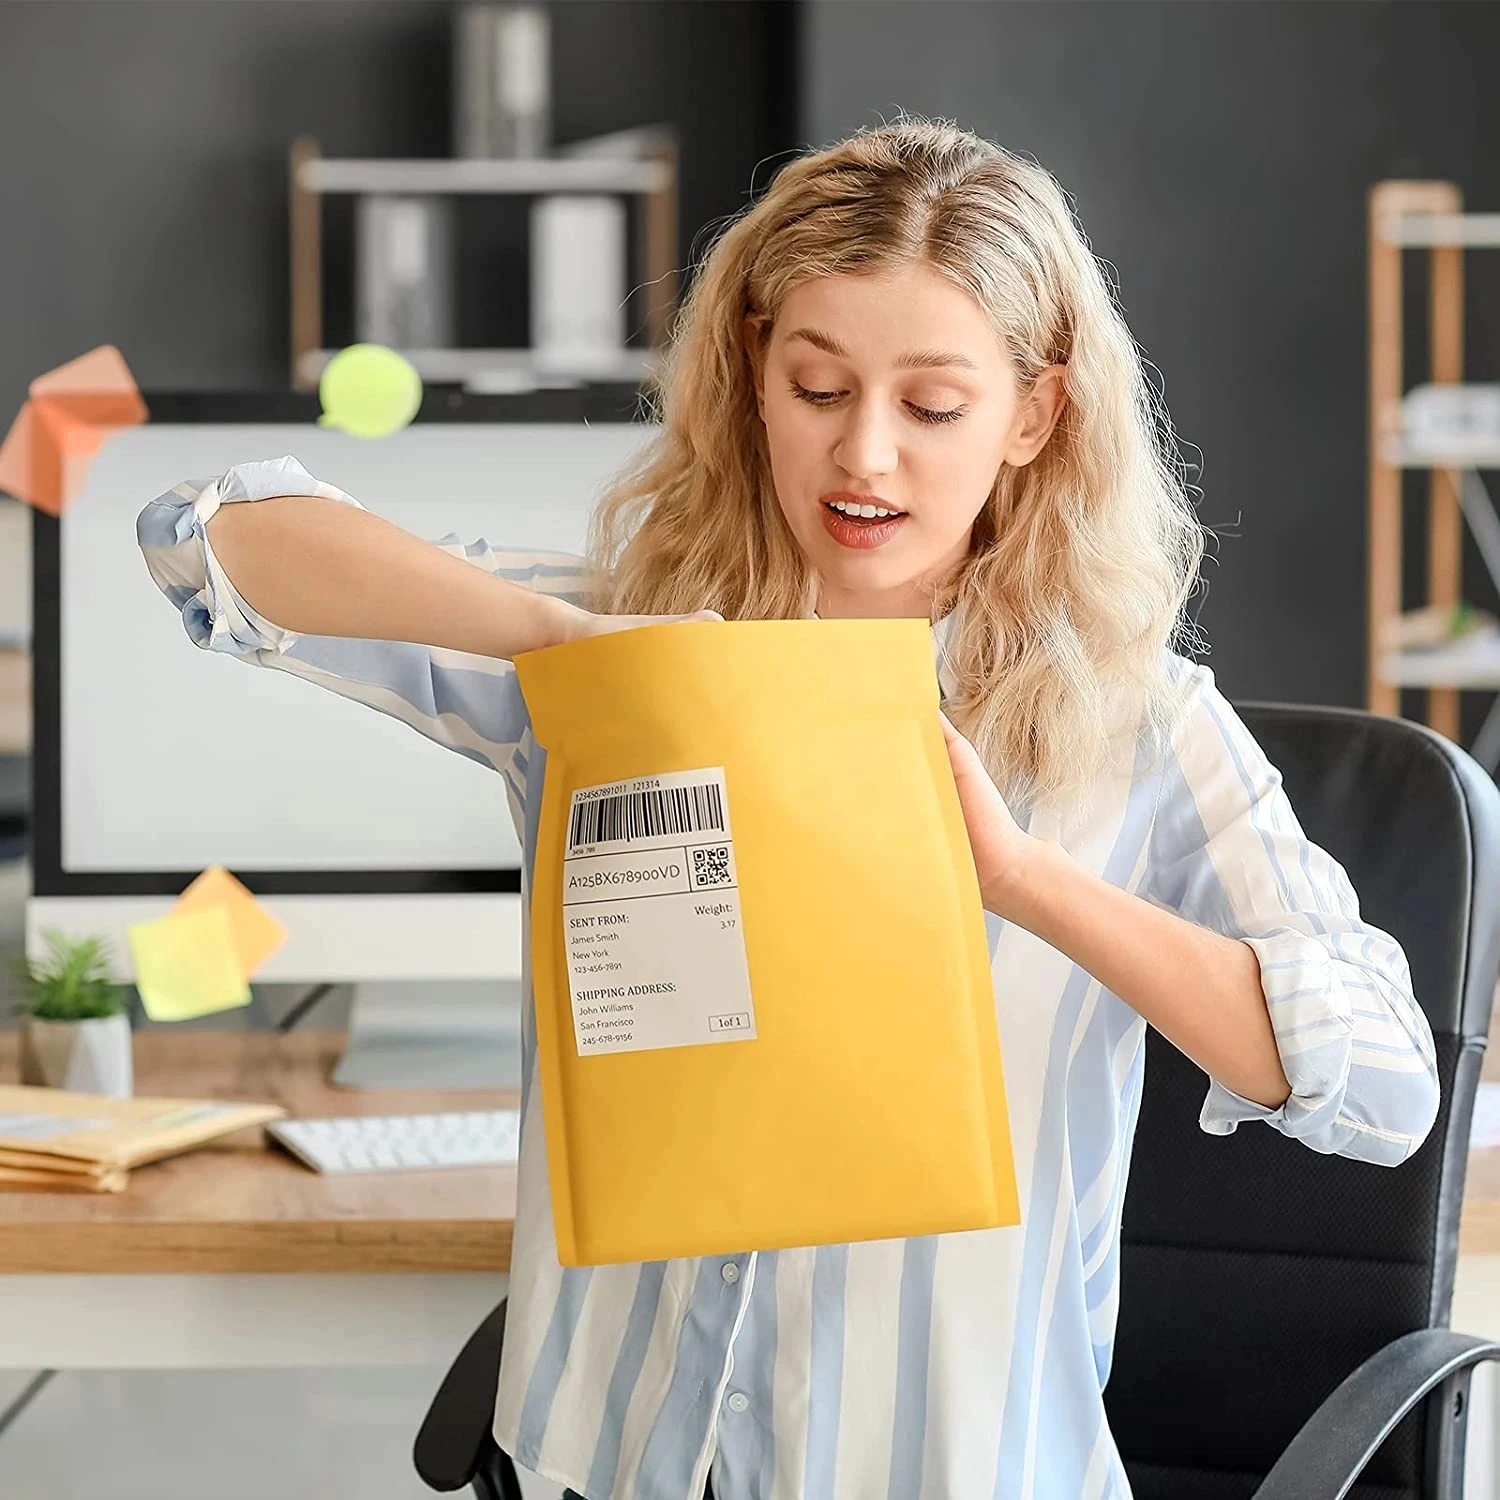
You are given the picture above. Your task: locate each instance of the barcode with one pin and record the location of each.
(643, 815)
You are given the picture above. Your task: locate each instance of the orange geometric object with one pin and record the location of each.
(256, 934)
(46, 456)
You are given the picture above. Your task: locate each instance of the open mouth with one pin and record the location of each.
(862, 513)
(861, 526)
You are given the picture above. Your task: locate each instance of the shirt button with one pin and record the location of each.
(739, 1401)
(730, 1272)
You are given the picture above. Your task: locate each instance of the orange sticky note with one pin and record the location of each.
(186, 965)
(71, 411)
(255, 932)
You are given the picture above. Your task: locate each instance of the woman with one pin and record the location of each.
(899, 386)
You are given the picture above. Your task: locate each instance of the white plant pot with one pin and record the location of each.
(89, 1057)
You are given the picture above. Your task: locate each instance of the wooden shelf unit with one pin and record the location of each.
(1402, 215)
(651, 180)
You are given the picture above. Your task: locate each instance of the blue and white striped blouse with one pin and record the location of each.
(956, 1366)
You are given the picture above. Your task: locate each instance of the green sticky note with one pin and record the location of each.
(369, 391)
(186, 965)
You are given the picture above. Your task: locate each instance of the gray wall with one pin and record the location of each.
(1220, 153)
(143, 153)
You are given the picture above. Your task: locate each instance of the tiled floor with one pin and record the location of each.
(334, 1434)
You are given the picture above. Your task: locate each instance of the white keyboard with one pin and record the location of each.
(399, 1143)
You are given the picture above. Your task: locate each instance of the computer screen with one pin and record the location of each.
(171, 759)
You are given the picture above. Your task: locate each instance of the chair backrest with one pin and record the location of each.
(1256, 1274)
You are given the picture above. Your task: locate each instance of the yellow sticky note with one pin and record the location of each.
(186, 965)
(257, 934)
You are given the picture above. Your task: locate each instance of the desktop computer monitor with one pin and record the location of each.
(383, 855)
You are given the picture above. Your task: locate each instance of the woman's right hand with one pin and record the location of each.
(578, 624)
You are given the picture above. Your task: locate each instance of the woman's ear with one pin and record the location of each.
(1040, 409)
(752, 331)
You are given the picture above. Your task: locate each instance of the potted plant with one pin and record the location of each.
(75, 1031)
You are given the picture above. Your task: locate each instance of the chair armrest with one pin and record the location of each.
(457, 1436)
(1333, 1446)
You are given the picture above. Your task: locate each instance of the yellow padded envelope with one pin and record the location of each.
(764, 1011)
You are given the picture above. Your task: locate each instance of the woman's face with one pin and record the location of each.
(891, 393)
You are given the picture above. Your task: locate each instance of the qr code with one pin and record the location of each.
(711, 866)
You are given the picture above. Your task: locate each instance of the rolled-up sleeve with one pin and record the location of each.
(1228, 853)
(467, 703)
(173, 536)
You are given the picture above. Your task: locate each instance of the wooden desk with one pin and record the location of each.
(393, 1270)
(402, 1266)
(242, 1204)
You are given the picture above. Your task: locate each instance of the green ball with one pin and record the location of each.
(369, 391)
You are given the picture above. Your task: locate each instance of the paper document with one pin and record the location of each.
(55, 1138)
(186, 965)
(200, 957)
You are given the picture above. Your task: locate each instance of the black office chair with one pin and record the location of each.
(1283, 1314)
(1257, 1275)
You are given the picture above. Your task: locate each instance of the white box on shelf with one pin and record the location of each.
(404, 269)
(578, 274)
(1450, 426)
(502, 70)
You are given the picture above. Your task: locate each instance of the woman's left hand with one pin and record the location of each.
(999, 844)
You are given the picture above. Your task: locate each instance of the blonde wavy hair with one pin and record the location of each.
(1081, 562)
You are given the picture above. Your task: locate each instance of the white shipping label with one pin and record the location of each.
(651, 916)
(44, 1127)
